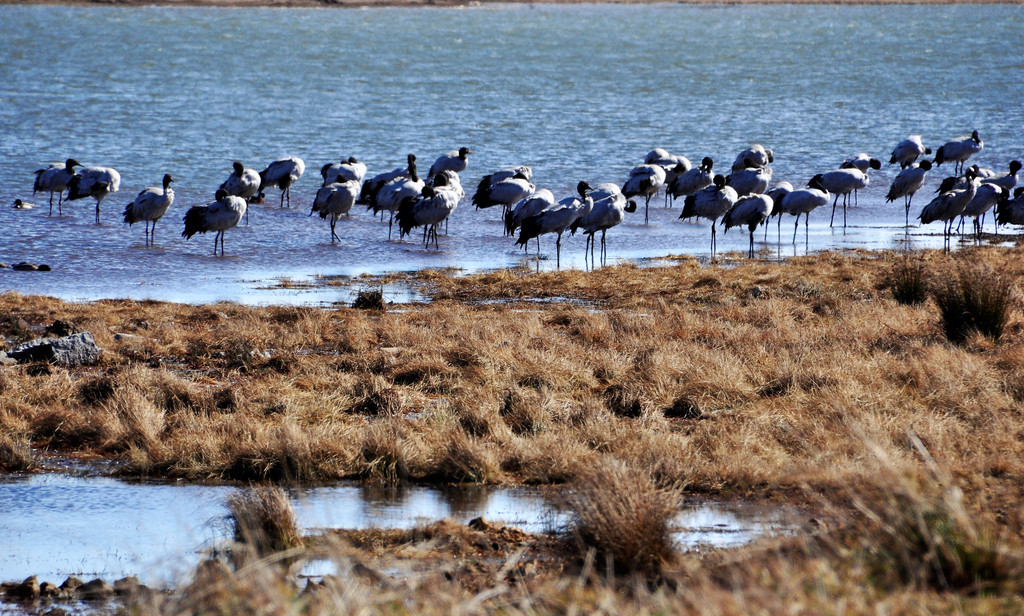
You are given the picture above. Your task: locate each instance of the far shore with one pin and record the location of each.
(455, 3)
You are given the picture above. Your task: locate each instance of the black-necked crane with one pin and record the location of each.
(609, 209)
(557, 219)
(456, 161)
(150, 206)
(242, 182)
(907, 182)
(692, 180)
(673, 164)
(986, 196)
(503, 190)
(1011, 211)
(754, 157)
(95, 182)
(750, 181)
(537, 202)
(802, 201)
(1007, 181)
(218, 216)
(55, 178)
(908, 151)
(950, 204)
(336, 199)
(391, 195)
(282, 173)
(644, 181)
(433, 206)
(748, 211)
(711, 202)
(958, 151)
(351, 170)
(777, 192)
(371, 187)
(842, 182)
(863, 163)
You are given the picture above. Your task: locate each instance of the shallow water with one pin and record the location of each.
(578, 92)
(53, 525)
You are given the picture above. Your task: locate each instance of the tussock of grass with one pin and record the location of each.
(907, 282)
(620, 512)
(263, 519)
(974, 299)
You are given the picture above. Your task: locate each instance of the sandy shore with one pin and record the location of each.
(369, 3)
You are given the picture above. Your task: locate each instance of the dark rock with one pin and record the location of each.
(61, 329)
(49, 589)
(44, 267)
(56, 611)
(27, 590)
(26, 267)
(95, 589)
(77, 350)
(72, 583)
(127, 585)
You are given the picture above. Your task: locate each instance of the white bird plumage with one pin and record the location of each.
(351, 170)
(692, 180)
(336, 199)
(55, 178)
(609, 209)
(803, 201)
(282, 173)
(842, 182)
(750, 181)
(908, 151)
(557, 219)
(219, 215)
(537, 202)
(958, 151)
(95, 182)
(450, 161)
(756, 156)
(644, 181)
(906, 184)
(391, 195)
(948, 205)
(149, 206)
(711, 202)
(436, 202)
(749, 211)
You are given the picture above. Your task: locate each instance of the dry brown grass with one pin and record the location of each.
(264, 520)
(757, 378)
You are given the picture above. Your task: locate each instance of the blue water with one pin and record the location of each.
(577, 92)
(53, 525)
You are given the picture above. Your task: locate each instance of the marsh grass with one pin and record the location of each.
(908, 283)
(974, 299)
(263, 519)
(621, 513)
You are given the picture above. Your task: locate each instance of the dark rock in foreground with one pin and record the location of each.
(76, 350)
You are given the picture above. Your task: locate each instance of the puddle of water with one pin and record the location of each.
(55, 524)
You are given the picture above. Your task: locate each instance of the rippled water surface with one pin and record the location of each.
(577, 92)
(55, 525)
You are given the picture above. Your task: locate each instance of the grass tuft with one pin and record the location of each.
(622, 514)
(907, 283)
(264, 520)
(974, 300)
(370, 299)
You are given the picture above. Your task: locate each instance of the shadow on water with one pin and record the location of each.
(60, 524)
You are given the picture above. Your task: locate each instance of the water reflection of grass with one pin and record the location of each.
(800, 381)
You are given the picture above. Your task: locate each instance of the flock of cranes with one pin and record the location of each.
(742, 198)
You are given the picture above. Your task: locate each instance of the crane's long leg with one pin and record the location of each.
(834, 202)
(51, 203)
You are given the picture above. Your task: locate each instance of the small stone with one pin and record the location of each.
(49, 589)
(26, 267)
(4, 266)
(95, 589)
(44, 268)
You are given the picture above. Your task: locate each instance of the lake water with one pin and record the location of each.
(577, 92)
(54, 524)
